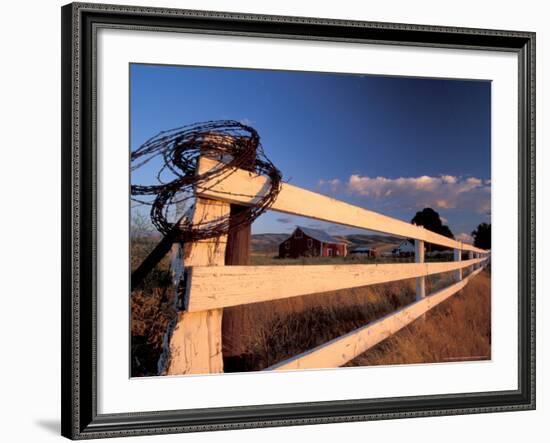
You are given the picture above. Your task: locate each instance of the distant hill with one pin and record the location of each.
(380, 242)
(263, 244)
(267, 243)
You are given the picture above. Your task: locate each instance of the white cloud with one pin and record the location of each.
(333, 185)
(448, 178)
(441, 192)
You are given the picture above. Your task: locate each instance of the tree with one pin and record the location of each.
(482, 236)
(141, 226)
(429, 219)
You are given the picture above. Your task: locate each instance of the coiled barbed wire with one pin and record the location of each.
(178, 150)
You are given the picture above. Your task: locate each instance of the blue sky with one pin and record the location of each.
(389, 144)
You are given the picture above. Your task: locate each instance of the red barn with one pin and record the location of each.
(307, 242)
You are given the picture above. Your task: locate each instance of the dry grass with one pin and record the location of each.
(151, 313)
(151, 310)
(458, 329)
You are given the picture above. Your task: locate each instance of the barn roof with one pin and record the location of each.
(319, 235)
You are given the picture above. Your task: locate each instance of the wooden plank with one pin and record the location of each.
(237, 253)
(218, 287)
(238, 186)
(196, 344)
(471, 257)
(419, 258)
(420, 281)
(339, 351)
(457, 254)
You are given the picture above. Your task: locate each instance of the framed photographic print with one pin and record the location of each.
(271, 221)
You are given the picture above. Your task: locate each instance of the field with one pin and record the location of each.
(258, 335)
(457, 330)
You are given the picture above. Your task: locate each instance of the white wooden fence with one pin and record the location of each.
(196, 342)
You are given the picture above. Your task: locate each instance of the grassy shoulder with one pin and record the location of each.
(457, 330)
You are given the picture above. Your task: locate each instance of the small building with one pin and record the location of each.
(308, 242)
(405, 249)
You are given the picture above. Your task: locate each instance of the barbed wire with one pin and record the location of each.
(177, 152)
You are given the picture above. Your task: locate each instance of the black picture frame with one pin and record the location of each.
(79, 169)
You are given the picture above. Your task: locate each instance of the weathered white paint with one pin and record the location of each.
(419, 258)
(245, 188)
(196, 342)
(177, 270)
(471, 257)
(222, 286)
(457, 258)
(339, 351)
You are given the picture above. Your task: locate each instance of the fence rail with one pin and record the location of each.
(195, 345)
(224, 286)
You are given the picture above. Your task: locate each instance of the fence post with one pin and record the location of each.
(470, 257)
(419, 258)
(458, 257)
(236, 318)
(196, 342)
